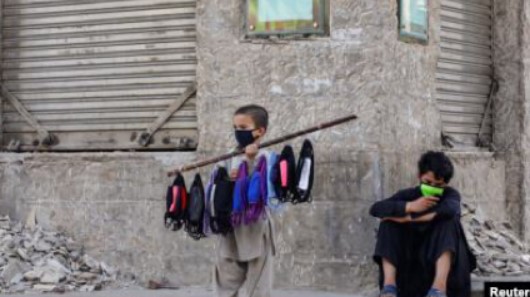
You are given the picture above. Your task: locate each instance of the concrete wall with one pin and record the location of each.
(113, 203)
(508, 114)
(361, 68)
(481, 180)
(511, 106)
(525, 92)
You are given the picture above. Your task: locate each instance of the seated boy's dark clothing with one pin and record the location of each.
(413, 248)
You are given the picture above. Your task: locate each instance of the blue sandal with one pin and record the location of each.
(388, 291)
(433, 292)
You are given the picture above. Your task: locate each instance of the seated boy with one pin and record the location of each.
(421, 248)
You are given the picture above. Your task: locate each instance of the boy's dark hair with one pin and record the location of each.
(259, 114)
(438, 163)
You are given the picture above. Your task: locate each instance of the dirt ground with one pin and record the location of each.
(185, 292)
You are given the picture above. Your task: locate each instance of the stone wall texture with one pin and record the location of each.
(112, 203)
(508, 111)
(511, 106)
(481, 180)
(361, 68)
(525, 93)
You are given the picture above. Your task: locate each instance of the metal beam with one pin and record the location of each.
(145, 136)
(45, 137)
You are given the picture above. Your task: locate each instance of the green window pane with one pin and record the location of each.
(265, 17)
(413, 20)
(280, 10)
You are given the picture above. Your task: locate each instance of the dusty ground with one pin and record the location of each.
(187, 292)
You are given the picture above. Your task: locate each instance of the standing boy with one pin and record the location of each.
(421, 248)
(243, 265)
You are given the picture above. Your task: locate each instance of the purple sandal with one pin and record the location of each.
(388, 291)
(433, 292)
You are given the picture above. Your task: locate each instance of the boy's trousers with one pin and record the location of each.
(253, 278)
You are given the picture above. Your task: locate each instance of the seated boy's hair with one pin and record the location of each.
(438, 163)
(259, 114)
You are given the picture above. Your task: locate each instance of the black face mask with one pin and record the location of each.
(244, 137)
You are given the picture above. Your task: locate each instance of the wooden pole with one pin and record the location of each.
(263, 145)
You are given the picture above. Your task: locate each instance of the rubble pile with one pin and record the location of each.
(32, 259)
(498, 250)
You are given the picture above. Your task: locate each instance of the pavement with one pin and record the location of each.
(184, 292)
(136, 291)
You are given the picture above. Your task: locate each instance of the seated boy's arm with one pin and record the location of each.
(448, 207)
(395, 206)
(408, 218)
(405, 219)
(424, 218)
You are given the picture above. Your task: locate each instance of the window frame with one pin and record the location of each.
(322, 20)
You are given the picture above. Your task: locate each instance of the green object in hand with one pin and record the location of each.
(427, 190)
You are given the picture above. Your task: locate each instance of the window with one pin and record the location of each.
(282, 17)
(413, 20)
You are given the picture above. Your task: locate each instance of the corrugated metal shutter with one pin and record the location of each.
(464, 75)
(95, 72)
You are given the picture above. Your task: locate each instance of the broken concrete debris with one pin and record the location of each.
(498, 250)
(33, 259)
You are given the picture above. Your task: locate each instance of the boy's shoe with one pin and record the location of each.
(388, 291)
(433, 292)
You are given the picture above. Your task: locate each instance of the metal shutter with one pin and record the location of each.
(464, 72)
(96, 73)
